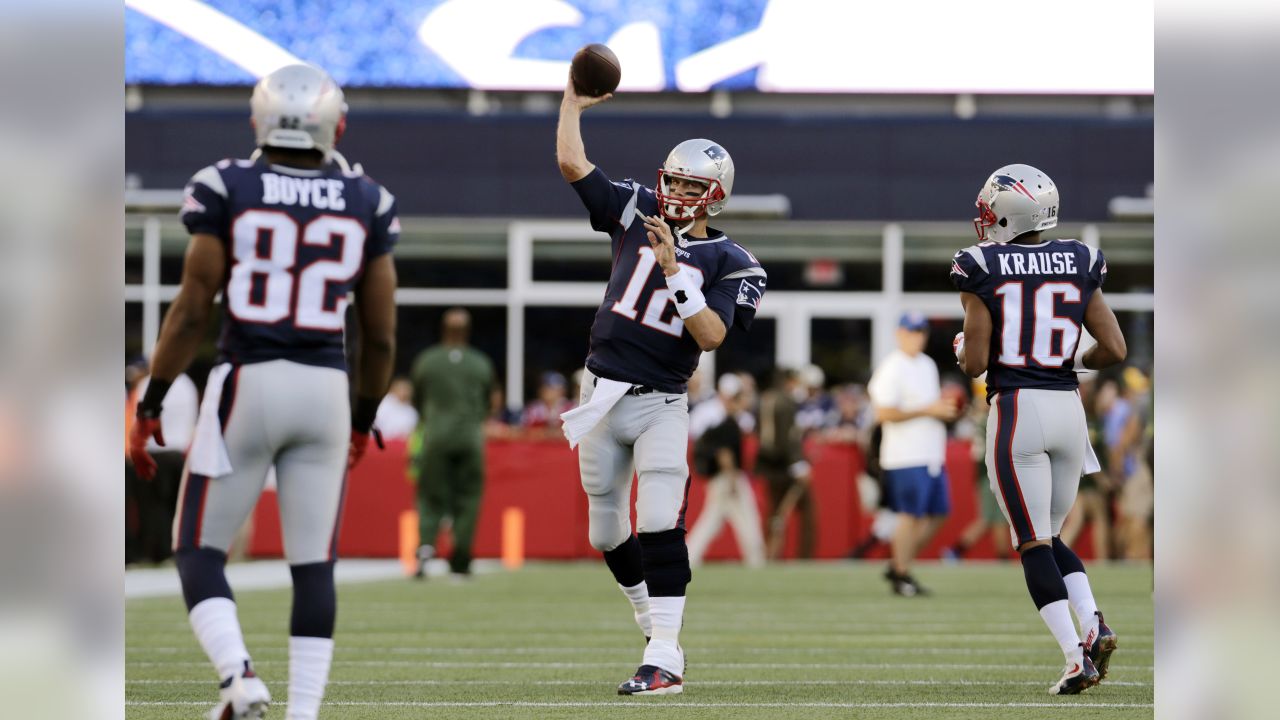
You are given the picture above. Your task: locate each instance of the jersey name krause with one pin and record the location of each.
(1037, 296)
(1038, 263)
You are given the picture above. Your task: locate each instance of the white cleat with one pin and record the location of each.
(244, 697)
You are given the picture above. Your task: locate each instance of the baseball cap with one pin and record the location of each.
(553, 379)
(913, 320)
(729, 384)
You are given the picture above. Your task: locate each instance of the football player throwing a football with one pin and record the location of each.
(677, 287)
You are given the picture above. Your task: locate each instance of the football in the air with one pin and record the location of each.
(595, 71)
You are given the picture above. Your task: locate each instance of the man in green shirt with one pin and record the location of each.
(451, 385)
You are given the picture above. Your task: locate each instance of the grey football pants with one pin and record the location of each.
(1035, 453)
(293, 416)
(645, 436)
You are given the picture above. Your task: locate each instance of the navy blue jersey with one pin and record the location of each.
(637, 335)
(297, 241)
(1037, 295)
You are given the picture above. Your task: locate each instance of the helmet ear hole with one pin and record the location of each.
(1004, 222)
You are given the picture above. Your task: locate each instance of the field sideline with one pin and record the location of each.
(800, 640)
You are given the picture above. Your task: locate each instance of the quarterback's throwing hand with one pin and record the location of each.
(662, 242)
(582, 102)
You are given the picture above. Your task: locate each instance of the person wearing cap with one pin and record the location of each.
(907, 397)
(541, 418)
(718, 458)
(451, 385)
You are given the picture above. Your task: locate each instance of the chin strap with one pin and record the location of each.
(681, 231)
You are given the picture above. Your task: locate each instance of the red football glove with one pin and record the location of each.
(359, 443)
(144, 429)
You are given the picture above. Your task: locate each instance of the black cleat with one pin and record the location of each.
(1078, 677)
(652, 680)
(903, 584)
(1101, 647)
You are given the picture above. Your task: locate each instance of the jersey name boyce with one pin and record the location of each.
(319, 193)
(1038, 263)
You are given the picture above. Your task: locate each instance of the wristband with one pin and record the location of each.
(687, 293)
(153, 398)
(364, 413)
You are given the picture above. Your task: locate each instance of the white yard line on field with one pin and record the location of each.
(1068, 706)
(699, 683)
(544, 665)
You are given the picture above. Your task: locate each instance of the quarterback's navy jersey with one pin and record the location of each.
(1037, 295)
(296, 241)
(637, 335)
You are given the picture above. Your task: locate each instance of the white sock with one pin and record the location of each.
(667, 615)
(309, 659)
(639, 597)
(1057, 615)
(1082, 602)
(218, 630)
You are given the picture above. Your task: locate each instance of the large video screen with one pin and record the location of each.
(1083, 46)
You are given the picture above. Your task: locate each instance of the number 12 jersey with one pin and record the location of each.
(1037, 295)
(297, 241)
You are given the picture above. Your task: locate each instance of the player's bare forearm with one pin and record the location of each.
(376, 309)
(976, 353)
(184, 324)
(1101, 323)
(707, 329)
(571, 153)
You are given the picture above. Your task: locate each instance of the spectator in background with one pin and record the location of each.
(782, 463)
(451, 386)
(908, 400)
(973, 427)
(541, 417)
(713, 411)
(151, 503)
(718, 455)
(397, 417)
(817, 409)
(1093, 499)
(502, 420)
(1126, 432)
(849, 421)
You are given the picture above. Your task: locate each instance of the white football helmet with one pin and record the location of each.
(1015, 200)
(701, 161)
(299, 107)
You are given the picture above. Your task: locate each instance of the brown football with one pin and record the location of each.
(595, 71)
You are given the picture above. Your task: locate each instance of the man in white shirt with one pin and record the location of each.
(907, 398)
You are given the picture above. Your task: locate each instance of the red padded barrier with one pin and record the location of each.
(541, 477)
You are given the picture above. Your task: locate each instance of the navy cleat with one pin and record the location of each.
(652, 680)
(1078, 677)
(1100, 647)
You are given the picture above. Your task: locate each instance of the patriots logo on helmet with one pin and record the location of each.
(715, 152)
(749, 295)
(1006, 182)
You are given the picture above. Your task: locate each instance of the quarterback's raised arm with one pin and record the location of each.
(571, 155)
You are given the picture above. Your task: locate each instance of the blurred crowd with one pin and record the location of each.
(792, 408)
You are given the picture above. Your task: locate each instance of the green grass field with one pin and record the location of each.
(553, 641)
